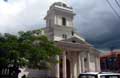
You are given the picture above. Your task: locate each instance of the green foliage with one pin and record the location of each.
(27, 49)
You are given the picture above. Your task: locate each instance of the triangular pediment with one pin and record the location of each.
(74, 40)
(79, 45)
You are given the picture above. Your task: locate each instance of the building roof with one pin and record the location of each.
(61, 4)
(78, 46)
(109, 54)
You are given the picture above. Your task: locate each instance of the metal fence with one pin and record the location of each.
(9, 71)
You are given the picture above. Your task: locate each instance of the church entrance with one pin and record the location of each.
(67, 68)
(61, 66)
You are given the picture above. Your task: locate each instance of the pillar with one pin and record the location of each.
(57, 68)
(88, 60)
(71, 67)
(97, 64)
(75, 70)
(79, 64)
(82, 64)
(64, 65)
(75, 65)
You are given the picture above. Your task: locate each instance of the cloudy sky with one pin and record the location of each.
(95, 19)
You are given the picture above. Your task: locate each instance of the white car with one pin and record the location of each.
(99, 75)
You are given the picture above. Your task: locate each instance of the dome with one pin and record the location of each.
(61, 4)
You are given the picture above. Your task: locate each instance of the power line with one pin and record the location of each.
(117, 3)
(112, 8)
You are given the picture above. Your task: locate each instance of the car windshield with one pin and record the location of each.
(88, 76)
(110, 76)
(95, 76)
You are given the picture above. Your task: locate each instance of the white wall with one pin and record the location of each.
(58, 34)
(92, 63)
(35, 73)
(58, 20)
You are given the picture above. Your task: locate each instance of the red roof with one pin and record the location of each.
(110, 54)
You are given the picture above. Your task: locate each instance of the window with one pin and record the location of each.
(72, 32)
(109, 76)
(73, 41)
(64, 5)
(64, 36)
(63, 21)
(85, 59)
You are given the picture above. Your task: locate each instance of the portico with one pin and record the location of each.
(75, 59)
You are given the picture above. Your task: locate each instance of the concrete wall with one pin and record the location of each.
(58, 20)
(33, 73)
(58, 34)
(92, 63)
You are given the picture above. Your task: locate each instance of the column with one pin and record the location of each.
(75, 65)
(88, 60)
(71, 68)
(82, 64)
(97, 64)
(75, 69)
(79, 64)
(57, 73)
(64, 65)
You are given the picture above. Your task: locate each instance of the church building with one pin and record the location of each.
(78, 56)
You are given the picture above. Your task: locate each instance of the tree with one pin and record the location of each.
(40, 49)
(29, 49)
(9, 49)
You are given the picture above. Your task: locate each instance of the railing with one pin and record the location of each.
(7, 71)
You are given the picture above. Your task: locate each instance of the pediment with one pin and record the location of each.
(74, 40)
(86, 46)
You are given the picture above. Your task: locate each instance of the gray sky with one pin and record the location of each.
(94, 19)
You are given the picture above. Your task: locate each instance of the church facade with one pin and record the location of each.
(78, 55)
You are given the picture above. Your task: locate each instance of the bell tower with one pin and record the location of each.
(59, 21)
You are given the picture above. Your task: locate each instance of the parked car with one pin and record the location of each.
(99, 75)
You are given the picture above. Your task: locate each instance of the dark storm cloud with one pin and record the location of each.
(94, 19)
(97, 23)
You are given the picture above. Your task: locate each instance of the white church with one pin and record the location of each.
(78, 56)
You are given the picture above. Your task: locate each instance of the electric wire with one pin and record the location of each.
(112, 8)
(117, 3)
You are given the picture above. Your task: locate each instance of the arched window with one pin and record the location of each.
(63, 21)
